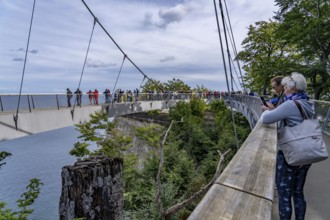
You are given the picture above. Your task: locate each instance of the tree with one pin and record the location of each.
(3, 155)
(304, 24)
(264, 56)
(177, 85)
(152, 85)
(110, 141)
(26, 200)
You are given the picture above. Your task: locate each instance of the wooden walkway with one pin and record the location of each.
(317, 190)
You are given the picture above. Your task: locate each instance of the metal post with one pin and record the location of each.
(1, 104)
(326, 120)
(58, 105)
(28, 98)
(33, 106)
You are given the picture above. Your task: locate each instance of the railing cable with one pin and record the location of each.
(234, 47)
(114, 88)
(226, 40)
(26, 52)
(83, 68)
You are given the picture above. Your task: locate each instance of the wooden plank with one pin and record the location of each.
(253, 167)
(222, 202)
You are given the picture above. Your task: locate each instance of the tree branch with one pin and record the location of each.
(159, 184)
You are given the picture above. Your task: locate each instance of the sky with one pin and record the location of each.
(166, 39)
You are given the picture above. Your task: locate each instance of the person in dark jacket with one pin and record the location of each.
(290, 180)
(78, 93)
(69, 96)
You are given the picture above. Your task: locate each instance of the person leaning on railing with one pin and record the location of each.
(290, 180)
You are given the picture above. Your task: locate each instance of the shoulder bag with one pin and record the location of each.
(303, 143)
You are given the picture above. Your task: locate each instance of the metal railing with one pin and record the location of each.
(322, 108)
(30, 102)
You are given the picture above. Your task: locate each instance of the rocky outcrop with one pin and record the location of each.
(139, 147)
(92, 189)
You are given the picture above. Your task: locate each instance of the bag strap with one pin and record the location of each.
(300, 109)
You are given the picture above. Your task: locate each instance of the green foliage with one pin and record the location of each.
(154, 112)
(298, 41)
(152, 85)
(150, 134)
(177, 85)
(264, 56)
(3, 155)
(80, 150)
(26, 200)
(182, 110)
(218, 106)
(190, 154)
(110, 141)
(190, 158)
(305, 25)
(174, 85)
(197, 106)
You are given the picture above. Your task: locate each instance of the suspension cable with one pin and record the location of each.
(107, 33)
(142, 81)
(83, 68)
(235, 50)
(113, 91)
(225, 68)
(26, 52)
(226, 40)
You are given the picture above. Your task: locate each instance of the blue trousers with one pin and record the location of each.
(290, 181)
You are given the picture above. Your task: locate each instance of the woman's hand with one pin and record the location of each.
(270, 106)
(264, 108)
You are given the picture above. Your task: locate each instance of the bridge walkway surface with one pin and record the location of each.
(317, 190)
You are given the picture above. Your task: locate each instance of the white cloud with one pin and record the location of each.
(165, 39)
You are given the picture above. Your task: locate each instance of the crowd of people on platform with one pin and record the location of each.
(152, 95)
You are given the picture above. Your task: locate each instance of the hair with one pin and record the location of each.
(277, 80)
(296, 80)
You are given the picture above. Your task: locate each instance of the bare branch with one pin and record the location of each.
(159, 184)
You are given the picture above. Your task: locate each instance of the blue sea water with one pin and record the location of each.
(35, 101)
(37, 156)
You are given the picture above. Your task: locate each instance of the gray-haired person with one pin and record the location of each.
(290, 180)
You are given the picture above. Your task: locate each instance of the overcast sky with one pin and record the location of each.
(165, 38)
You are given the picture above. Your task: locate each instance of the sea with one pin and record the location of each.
(39, 156)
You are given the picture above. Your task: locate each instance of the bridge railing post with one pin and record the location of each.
(1, 104)
(58, 104)
(33, 106)
(28, 99)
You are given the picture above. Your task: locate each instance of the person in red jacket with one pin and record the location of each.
(96, 97)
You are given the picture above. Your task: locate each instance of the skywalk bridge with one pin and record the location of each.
(45, 112)
(245, 189)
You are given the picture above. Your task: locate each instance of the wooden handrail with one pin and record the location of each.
(245, 189)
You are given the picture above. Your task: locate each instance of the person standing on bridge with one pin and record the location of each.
(96, 97)
(90, 96)
(78, 93)
(69, 96)
(290, 180)
(277, 88)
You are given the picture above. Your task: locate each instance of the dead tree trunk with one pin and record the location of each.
(92, 189)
